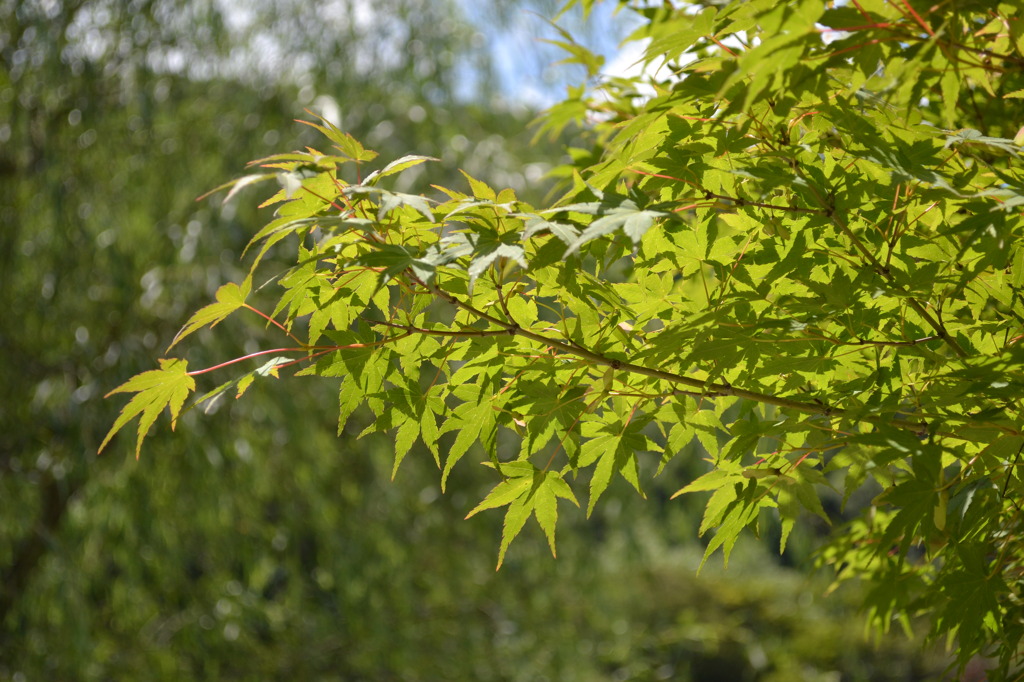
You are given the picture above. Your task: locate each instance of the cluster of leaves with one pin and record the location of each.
(801, 252)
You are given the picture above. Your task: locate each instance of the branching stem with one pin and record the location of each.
(704, 389)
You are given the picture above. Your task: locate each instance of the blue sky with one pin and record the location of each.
(525, 64)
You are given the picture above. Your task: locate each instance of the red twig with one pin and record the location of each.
(873, 41)
(243, 358)
(666, 177)
(918, 19)
(272, 321)
(852, 29)
(329, 201)
(861, 10)
(703, 119)
(689, 206)
(797, 119)
(719, 43)
(321, 350)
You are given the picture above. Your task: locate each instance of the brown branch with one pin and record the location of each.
(437, 332)
(773, 207)
(736, 200)
(704, 389)
(869, 342)
(986, 53)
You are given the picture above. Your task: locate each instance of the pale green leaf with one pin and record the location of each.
(504, 493)
(230, 298)
(167, 387)
(515, 518)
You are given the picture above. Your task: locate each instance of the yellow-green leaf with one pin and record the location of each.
(230, 298)
(154, 390)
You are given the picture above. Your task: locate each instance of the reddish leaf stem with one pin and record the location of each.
(917, 17)
(852, 29)
(272, 321)
(243, 358)
(861, 10)
(724, 47)
(321, 350)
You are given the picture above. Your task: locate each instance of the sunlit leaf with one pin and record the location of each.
(230, 298)
(155, 390)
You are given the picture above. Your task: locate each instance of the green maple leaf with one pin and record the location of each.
(526, 490)
(230, 298)
(626, 216)
(154, 390)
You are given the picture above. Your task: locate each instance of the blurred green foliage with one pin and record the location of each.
(257, 544)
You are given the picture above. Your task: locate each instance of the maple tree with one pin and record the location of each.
(791, 246)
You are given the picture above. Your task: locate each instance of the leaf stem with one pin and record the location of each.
(272, 321)
(321, 350)
(243, 358)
